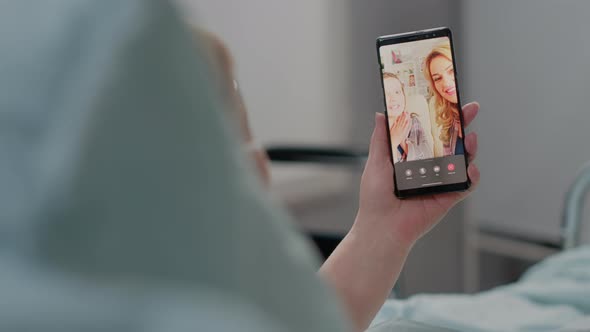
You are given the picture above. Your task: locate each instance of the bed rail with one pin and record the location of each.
(573, 209)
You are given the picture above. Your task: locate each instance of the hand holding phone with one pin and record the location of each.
(423, 108)
(403, 221)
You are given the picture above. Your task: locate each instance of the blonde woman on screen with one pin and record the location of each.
(444, 110)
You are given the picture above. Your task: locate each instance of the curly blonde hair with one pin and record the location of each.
(447, 113)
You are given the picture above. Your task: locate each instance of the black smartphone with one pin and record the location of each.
(423, 110)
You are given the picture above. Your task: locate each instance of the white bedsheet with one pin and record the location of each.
(552, 295)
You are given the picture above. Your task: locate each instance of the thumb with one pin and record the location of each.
(379, 148)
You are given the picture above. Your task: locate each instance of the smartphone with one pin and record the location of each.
(423, 110)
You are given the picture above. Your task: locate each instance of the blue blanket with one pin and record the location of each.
(552, 295)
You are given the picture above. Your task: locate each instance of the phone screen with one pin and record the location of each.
(423, 112)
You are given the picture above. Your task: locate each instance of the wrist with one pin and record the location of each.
(382, 234)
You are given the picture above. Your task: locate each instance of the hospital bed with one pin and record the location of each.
(553, 295)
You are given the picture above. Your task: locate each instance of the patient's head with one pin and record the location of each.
(395, 95)
(223, 63)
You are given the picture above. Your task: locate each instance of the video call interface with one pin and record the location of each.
(423, 113)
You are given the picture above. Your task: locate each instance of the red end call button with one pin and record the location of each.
(451, 167)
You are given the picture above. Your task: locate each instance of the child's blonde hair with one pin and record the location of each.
(387, 75)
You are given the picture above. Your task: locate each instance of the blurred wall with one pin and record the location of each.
(527, 63)
(292, 62)
(293, 66)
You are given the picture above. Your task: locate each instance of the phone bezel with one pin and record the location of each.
(409, 37)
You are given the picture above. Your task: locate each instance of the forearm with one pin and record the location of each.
(363, 269)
